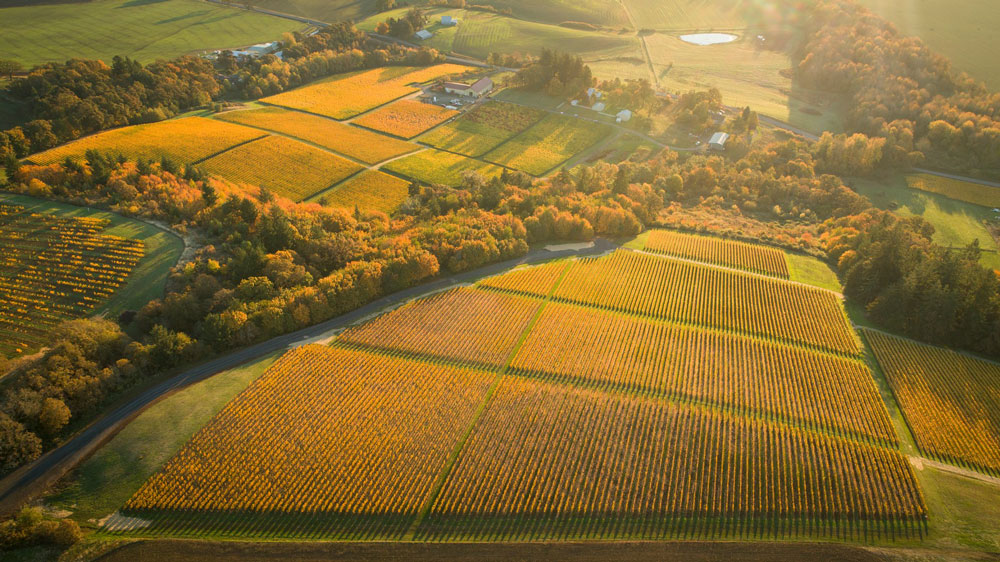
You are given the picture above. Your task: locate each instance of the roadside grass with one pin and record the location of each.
(144, 30)
(287, 167)
(102, 483)
(149, 278)
(746, 76)
(812, 271)
(956, 223)
(439, 167)
(480, 33)
(964, 32)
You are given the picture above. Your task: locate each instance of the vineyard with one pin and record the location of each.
(951, 401)
(344, 139)
(730, 253)
(405, 118)
(186, 140)
(548, 143)
(287, 167)
(55, 269)
(354, 442)
(706, 296)
(482, 128)
(344, 96)
(435, 166)
(503, 412)
(369, 190)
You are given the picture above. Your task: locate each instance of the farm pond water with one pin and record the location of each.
(709, 38)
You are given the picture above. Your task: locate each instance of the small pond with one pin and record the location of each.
(709, 38)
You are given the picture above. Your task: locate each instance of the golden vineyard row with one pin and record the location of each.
(730, 253)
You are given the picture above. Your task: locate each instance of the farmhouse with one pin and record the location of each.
(718, 141)
(623, 116)
(476, 89)
(423, 34)
(448, 21)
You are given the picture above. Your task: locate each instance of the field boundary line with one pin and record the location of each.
(221, 152)
(303, 141)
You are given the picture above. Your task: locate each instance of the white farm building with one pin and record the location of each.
(423, 34)
(718, 141)
(474, 90)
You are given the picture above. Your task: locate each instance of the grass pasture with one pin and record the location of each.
(322, 131)
(548, 143)
(287, 167)
(956, 223)
(746, 75)
(370, 190)
(405, 118)
(345, 95)
(689, 15)
(483, 128)
(439, 167)
(187, 140)
(977, 194)
(607, 13)
(142, 29)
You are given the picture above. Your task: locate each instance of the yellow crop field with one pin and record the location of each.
(464, 324)
(552, 461)
(738, 373)
(355, 142)
(951, 401)
(545, 145)
(287, 167)
(345, 95)
(538, 280)
(54, 269)
(405, 118)
(974, 193)
(730, 253)
(483, 127)
(185, 140)
(369, 190)
(438, 167)
(328, 438)
(707, 296)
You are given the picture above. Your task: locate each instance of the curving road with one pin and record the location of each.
(32, 479)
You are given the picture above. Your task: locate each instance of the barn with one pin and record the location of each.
(423, 34)
(476, 89)
(718, 141)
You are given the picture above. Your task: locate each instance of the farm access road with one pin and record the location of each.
(32, 479)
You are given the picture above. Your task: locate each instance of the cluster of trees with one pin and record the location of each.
(80, 97)
(900, 91)
(555, 73)
(699, 110)
(911, 286)
(31, 527)
(414, 20)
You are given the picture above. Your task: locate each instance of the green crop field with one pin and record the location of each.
(965, 32)
(975, 193)
(480, 33)
(143, 29)
(545, 145)
(745, 75)
(598, 12)
(323, 10)
(436, 166)
(483, 128)
(956, 224)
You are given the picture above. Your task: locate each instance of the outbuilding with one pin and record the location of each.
(448, 21)
(476, 89)
(423, 34)
(599, 106)
(623, 116)
(718, 141)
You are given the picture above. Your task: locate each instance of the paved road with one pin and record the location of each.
(33, 479)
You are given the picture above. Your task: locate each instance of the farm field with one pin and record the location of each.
(436, 166)
(598, 12)
(463, 324)
(344, 139)
(956, 223)
(690, 15)
(56, 268)
(343, 468)
(145, 31)
(546, 144)
(950, 400)
(369, 190)
(186, 140)
(482, 128)
(965, 32)
(730, 253)
(345, 95)
(974, 193)
(405, 118)
(745, 75)
(480, 33)
(323, 10)
(287, 167)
